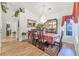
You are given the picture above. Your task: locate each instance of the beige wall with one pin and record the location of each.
(0, 24)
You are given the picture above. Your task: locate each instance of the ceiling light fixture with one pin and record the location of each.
(43, 18)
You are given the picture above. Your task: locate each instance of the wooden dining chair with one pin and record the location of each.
(42, 42)
(58, 41)
(38, 39)
(34, 37)
(29, 34)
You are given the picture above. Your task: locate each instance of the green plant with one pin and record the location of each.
(39, 26)
(17, 12)
(4, 7)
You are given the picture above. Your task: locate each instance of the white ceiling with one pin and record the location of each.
(39, 8)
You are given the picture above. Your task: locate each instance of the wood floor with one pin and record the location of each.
(15, 48)
(0, 51)
(12, 47)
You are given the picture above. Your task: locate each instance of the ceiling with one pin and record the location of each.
(46, 8)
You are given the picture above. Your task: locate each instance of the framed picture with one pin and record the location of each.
(31, 23)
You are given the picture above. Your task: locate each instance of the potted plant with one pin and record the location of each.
(17, 12)
(39, 26)
(4, 7)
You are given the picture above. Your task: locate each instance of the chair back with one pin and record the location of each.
(58, 37)
(62, 33)
(33, 33)
(60, 43)
(40, 34)
(42, 37)
(33, 30)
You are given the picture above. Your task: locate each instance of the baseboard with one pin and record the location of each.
(68, 41)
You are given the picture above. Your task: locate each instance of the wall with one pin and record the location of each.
(9, 18)
(22, 25)
(25, 16)
(23, 22)
(76, 41)
(6, 18)
(0, 25)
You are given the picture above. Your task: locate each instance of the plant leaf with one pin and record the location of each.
(17, 13)
(4, 7)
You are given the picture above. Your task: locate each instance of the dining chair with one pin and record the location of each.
(34, 37)
(58, 41)
(42, 42)
(38, 39)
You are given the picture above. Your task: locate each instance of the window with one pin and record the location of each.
(69, 27)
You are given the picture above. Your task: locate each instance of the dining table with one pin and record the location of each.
(49, 37)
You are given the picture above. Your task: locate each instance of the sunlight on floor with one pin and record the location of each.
(65, 51)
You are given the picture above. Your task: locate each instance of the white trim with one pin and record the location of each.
(76, 42)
